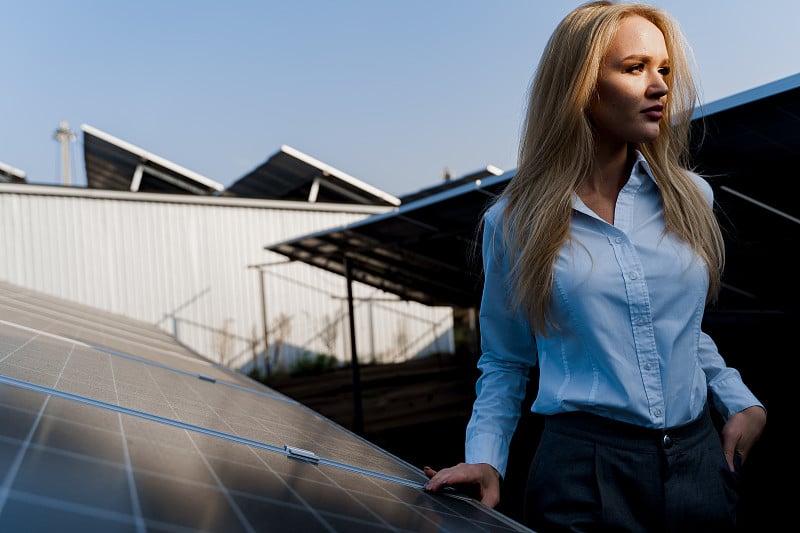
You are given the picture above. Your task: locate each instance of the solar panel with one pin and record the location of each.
(108, 426)
(11, 174)
(289, 174)
(114, 164)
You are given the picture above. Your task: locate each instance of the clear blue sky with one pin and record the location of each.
(391, 92)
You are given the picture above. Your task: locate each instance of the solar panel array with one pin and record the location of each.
(109, 425)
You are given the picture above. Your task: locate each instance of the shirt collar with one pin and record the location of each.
(641, 163)
(639, 172)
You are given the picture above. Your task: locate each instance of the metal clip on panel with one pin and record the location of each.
(301, 454)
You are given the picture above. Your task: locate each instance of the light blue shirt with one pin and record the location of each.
(629, 300)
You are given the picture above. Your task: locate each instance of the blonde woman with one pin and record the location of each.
(599, 259)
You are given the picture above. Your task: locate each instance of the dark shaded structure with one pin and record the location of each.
(423, 251)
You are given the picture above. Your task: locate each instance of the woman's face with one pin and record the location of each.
(631, 88)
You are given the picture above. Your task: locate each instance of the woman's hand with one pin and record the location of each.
(481, 474)
(741, 432)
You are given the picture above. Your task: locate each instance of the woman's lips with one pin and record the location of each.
(655, 112)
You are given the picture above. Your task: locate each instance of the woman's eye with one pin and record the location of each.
(636, 68)
(664, 71)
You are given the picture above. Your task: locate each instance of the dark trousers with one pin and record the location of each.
(591, 473)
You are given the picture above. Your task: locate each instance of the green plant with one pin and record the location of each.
(311, 364)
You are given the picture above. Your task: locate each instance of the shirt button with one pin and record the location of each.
(640, 321)
(648, 366)
(633, 275)
(657, 411)
(667, 441)
(618, 240)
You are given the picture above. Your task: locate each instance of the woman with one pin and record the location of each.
(599, 259)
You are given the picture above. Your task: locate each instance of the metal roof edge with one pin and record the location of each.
(479, 183)
(231, 201)
(745, 97)
(144, 154)
(491, 169)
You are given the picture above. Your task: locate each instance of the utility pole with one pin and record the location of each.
(64, 135)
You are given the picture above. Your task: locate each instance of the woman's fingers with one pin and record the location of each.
(438, 479)
(482, 477)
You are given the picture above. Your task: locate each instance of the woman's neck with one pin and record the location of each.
(610, 173)
(600, 189)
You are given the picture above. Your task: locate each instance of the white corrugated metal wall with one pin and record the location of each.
(181, 262)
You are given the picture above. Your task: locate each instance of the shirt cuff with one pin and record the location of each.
(488, 448)
(736, 398)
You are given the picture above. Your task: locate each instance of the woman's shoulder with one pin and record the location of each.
(704, 185)
(494, 212)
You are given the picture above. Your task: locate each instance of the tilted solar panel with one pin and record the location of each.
(107, 426)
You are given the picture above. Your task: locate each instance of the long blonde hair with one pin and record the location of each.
(557, 153)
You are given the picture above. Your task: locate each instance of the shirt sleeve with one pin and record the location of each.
(729, 394)
(508, 352)
(728, 391)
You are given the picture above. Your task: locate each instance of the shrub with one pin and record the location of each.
(314, 364)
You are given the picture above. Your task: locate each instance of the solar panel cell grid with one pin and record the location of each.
(102, 440)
